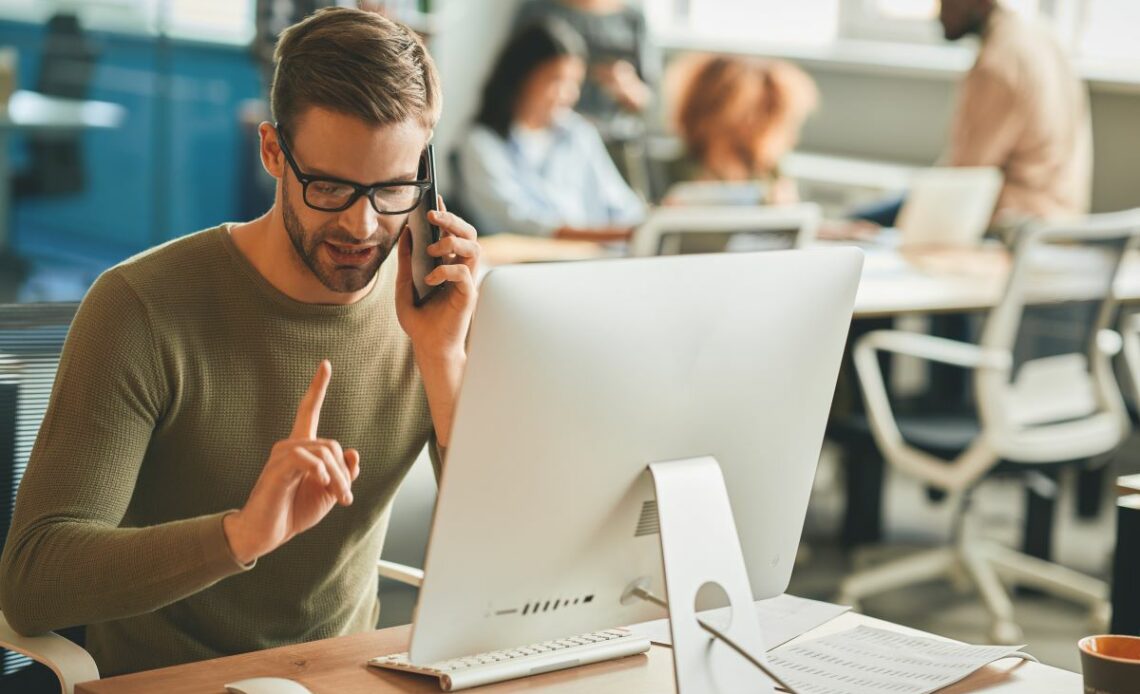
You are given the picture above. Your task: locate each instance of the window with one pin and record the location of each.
(803, 22)
(905, 20)
(1098, 31)
(890, 20)
(1108, 31)
(223, 21)
(215, 21)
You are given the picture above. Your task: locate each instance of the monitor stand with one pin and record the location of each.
(699, 545)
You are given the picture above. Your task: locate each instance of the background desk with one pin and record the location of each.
(894, 282)
(32, 112)
(337, 665)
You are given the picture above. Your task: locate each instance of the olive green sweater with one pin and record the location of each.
(181, 370)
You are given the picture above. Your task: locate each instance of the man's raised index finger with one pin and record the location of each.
(309, 411)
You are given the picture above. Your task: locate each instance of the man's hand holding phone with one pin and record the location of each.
(303, 479)
(438, 327)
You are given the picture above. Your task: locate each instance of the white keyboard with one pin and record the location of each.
(535, 659)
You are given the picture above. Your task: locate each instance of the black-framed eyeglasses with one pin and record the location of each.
(329, 194)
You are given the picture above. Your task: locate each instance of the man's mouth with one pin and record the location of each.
(350, 255)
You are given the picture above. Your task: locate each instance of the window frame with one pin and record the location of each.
(859, 21)
(873, 51)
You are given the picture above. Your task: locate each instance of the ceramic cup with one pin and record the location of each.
(1110, 664)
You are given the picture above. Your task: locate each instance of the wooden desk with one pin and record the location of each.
(337, 665)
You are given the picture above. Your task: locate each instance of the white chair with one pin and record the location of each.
(1130, 330)
(684, 229)
(1051, 410)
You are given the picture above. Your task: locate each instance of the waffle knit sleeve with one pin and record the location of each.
(67, 561)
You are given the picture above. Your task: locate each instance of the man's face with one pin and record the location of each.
(344, 249)
(961, 17)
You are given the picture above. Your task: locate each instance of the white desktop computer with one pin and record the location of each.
(581, 375)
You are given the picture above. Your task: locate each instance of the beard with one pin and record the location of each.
(338, 278)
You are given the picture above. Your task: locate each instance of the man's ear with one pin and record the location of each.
(272, 160)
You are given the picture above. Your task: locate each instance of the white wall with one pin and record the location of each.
(470, 34)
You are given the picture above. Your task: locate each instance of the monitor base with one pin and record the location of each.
(700, 545)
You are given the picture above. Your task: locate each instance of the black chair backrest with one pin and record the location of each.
(68, 59)
(66, 66)
(31, 339)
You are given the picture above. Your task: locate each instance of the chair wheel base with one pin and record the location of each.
(849, 600)
(1006, 634)
(1100, 618)
(960, 581)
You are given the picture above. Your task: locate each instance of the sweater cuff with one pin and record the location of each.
(436, 454)
(217, 556)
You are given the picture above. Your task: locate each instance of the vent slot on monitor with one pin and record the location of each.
(648, 522)
(533, 608)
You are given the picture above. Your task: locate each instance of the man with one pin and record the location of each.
(179, 500)
(1021, 108)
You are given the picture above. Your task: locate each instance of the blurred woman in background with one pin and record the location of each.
(530, 164)
(737, 116)
(623, 66)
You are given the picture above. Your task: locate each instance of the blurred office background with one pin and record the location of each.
(155, 105)
(182, 156)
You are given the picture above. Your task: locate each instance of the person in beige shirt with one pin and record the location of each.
(1022, 109)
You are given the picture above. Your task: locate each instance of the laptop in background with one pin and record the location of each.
(687, 229)
(949, 206)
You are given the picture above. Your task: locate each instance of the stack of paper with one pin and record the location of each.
(870, 660)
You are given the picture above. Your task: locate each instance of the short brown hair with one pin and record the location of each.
(758, 105)
(357, 63)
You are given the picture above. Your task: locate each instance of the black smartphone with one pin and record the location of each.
(423, 232)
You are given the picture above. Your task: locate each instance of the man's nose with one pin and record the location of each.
(360, 219)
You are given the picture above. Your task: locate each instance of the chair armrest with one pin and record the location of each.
(398, 572)
(937, 349)
(1109, 342)
(70, 663)
(1130, 331)
(955, 475)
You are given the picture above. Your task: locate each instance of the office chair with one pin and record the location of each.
(31, 338)
(1039, 415)
(67, 65)
(1130, 330)
(709, 229)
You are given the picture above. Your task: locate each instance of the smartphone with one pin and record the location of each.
(423, 232)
